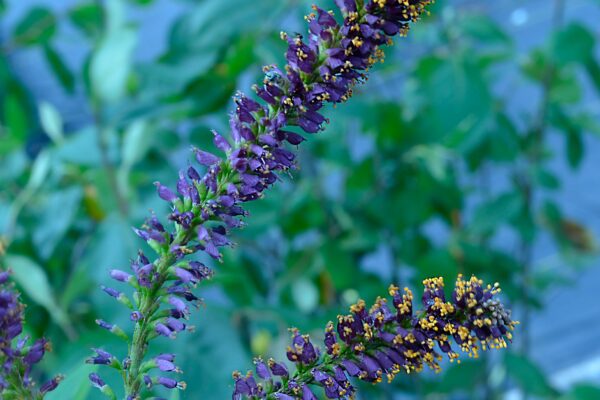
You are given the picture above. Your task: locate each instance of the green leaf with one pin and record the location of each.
(588, 122)
(434, 158)
(39, 171)
(583, 392)
(205, 27)
(484, 29)
(340, 265)
(36, 27)
(16, 117)
(111, 65)
(463, 376)
(593, 69)
(111, 246)
(202, 34)
(535, 65)
(81, 148)
(32, 279)
(574, 43)
(221, 339)
(546, 179)
(51, 121)
(551, 214)
(305, 295)
(437, 262)
(454, 95)
(575, 147)
(76, 385)
(491, 215)
(60, 69)
(135, 142)
(503, 146)
(87, 17)
(565, 87)
(528, 376)
(57, 213)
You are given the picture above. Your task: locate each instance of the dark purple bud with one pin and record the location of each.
(169, 383)
(193, 174)
(163, 330)
(147, 381)
(307, 394)
(277, 368)
(119, 275)
(36, 352)
(135, 316)
(166, 365)
(111, 292)
(294, 138)
(261, 369)
(166, 356)
(103, 324)
(183, 186)
(96, 380)
(283, 396)
(51, 384)
(221, 143)
(178, 304)
(175, 325)
(204, 158)
(165, 193)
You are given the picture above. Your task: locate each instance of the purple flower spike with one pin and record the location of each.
(375, 342)
(322, 68)
(17, 355)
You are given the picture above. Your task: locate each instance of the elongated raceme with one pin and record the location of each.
(17, 356)
(383, 341)
(206, 204)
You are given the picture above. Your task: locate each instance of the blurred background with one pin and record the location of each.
(474, 149)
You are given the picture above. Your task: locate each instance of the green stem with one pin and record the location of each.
(534, 159)
(111, 173)
(149, 305)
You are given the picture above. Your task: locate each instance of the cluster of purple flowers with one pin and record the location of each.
(206, 202)
(16, 356)
(382, 341)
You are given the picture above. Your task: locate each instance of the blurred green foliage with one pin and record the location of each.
(434, 168)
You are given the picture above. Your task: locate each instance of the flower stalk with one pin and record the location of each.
(207, 202)
(17, 355)
(370, 344)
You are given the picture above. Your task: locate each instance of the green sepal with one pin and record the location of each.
(120, 333)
